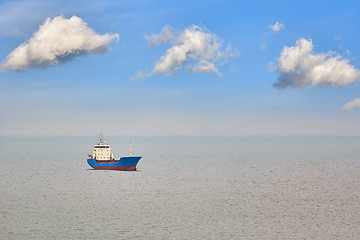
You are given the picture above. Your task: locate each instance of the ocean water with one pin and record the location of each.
(185, 188)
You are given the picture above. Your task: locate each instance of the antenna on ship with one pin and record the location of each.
(101, 137)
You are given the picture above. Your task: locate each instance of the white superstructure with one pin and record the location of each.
(102, 151)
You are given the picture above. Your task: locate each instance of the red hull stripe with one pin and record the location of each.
(120, 168)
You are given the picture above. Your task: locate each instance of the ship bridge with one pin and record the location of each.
(102, 151)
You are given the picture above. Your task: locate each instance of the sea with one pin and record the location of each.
(185, 188)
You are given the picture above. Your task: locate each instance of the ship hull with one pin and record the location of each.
(124, 164)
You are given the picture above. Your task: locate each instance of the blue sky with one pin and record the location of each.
(96, 90)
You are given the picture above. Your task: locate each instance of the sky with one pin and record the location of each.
(243, 68)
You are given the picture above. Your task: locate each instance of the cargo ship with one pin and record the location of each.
(103, 159)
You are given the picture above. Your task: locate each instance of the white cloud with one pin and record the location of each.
(276, 27)
(195, 48)
(56, 41)
(299, 66)
(351, 106)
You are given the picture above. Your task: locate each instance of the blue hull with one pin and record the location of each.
(124, 164)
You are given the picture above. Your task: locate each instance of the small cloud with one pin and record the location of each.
(276, 27)
(298, 66)
(351, 106)
(57, 41)
(337, 38)
(196, 48)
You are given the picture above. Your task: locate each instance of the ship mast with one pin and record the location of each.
(131, 152)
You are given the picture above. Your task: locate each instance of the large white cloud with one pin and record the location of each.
(299, 66)
(352, 105)
(195, 48)
(57, 40)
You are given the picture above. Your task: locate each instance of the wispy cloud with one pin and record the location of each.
(195, 48)
(298, 66)
(351, 106)
(165, 36)
(57, 40)
(276, 27)
(15, 33)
